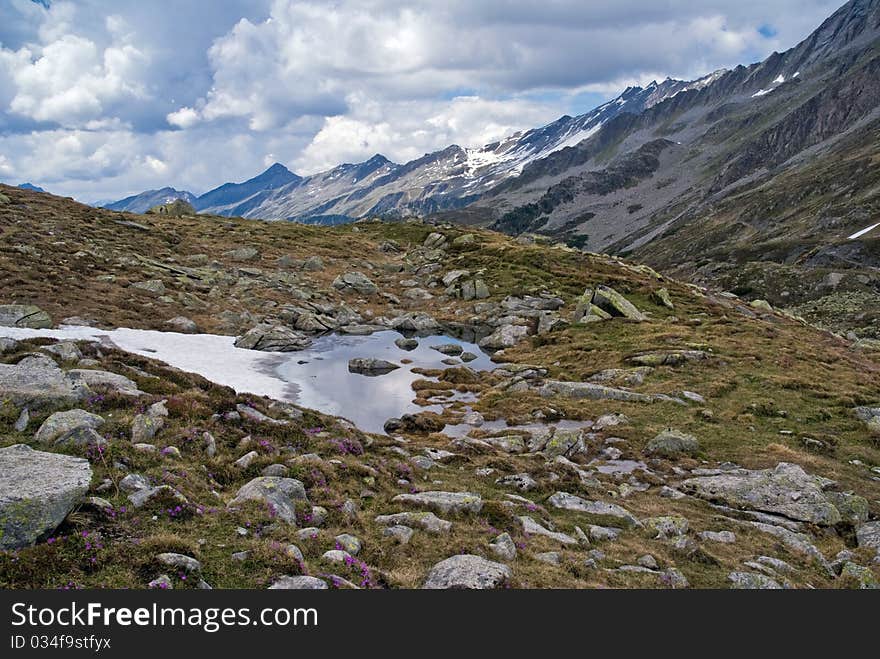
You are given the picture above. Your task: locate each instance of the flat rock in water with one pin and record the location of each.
(367, 366)
(37, 491)
(467, 572)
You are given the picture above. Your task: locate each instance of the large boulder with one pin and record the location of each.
(280, 494)
(415, 322)
(273, 338)
(60, 424)
(614, 303)
(24, 315)
(595, 512)
(505, 336)
(38, 382)
(37, 491)
(786, 490)
(97, 380)
(467, 572)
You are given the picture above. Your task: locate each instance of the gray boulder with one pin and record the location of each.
(24, 315)
(369, 366)
(38, 382)
(278, 493)
(37, 491)
(467, 572)
(786, 490)
(60, 424)
(356, 282)
(596, 512)
(443, 502)
(505, 336)
(672, 444)
(614, 303)
(273, 338)
(299, 583)
(424, 520)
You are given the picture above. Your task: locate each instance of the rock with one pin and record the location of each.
(245, 461)
(141, 498)
(406, 344)
(868, 535)
(8, 345)
(443, 502)
(313, 264)
(468, 572)
(37, 491)
(176, 208)
(531, 527)
(37, 382)
(672, 444)
(797, 542)
(434, 240)
(505, 336)
(151, 288)
(415, 322)
(597, 512)
(60, 424)
(146, 426)
(356, 282)
(661, 297)
(67, 351)
(294, 552)
(427, 521)
(614, 303)
(786, 490)
(673, 578)
(852, 508)
(277, 470)
(243, 254)
(95, 380)
(280, 494)
(648, 561)
(273, 338)
(249, 413)
(725, 537)
(603, 533)
(858, 577)
(133, 483)
(523, 482)
(162, 582)
(507, 443)
(183, 325)
(370, 366)
(448, 349)
(591, 391)
(667, 358)
(468, 357)
(24, 418)
(298, 583)
(180, 562)
(24, 315)
(337, 556)
(666, 526)
(776, 564)
(349, 543)
(424, 422)
(503, 547)
(752, 581)
(402, 534)
(551, 557)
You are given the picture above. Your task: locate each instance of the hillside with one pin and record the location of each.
(657, 434)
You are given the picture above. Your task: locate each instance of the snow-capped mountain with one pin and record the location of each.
(442, 180)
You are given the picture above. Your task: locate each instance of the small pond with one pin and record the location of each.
(317, 377)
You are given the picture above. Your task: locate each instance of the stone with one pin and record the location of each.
(667, 358)
(37, 491)
(467, 571)
(243, 254)
(648, 561)
(273, 338)
(786, 490)
(775, 564)
(797, 542)
(422, 423)
(294, 552)
(21, 423)
(868, 535)
(415, 322)
(370, 366)
(278, 470)
(337, 556)
(673, 444)
(505, 336)
(58, 425)
(531, 527)
(151, 288)
(453, 349)
(133, 483)
(858, 577)
(596, 512)
(523, 482)
(246, 460)
(666, 526)
(24, 315)
(146, 426)
(852, 508)
(249, 413)
(356, 282)
(402, 534)
(503, 547)
(724, 537)
(298, 583)
(673, 578)
(180, 562)
(434, 240)
(280, 494)
(592, 391)
(752, 581)
(144, 497)
(603, 533)
(614, 303)
(349, 543)
(443, 502)
(424, 520)
(95, 380)
(313, 264)
(406, 344)
(183, 325)
(162, 582)
(551, 557)
(507, 443)
(661, 298)
(66, 351)
(37, 382)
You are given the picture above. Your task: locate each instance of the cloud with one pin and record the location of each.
(190, 94)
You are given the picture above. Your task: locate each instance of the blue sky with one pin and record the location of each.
(100, 99)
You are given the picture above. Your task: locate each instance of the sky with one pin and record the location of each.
(102, 99)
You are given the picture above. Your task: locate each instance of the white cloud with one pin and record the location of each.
(185, 117)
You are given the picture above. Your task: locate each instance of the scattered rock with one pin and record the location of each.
(672, 444)
(597, 512)
(280, 494)
(59, 425)
(752, 581)
(467, 571)
(356, 282)
(298, 583)
(427, 521)
(444, 502)
(273, 338)
(503, 547)
(24, 315)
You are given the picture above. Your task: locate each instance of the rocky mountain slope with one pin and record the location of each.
(632, 431)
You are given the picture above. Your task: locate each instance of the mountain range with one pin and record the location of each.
(772, 163)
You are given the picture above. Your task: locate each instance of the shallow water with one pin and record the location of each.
(317, 377)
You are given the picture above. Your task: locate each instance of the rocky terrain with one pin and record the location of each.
(634, 430)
